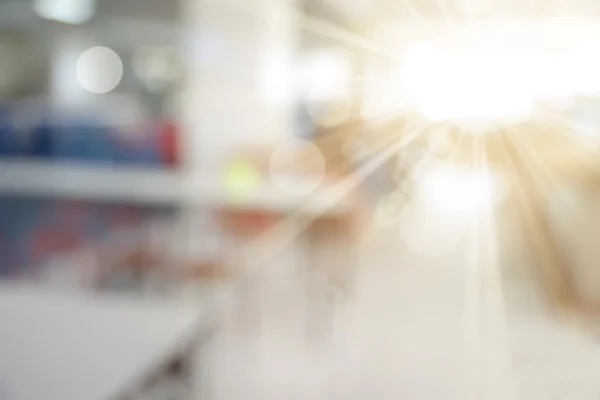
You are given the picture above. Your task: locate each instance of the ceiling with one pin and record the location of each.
(151, 10)
(127, 24)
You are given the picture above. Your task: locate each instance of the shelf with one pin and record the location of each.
(107, 183)
(147, 186)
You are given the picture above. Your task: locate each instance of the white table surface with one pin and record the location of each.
(63, 345)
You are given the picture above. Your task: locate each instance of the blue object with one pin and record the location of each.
(143, 150)
(98, 147)
(42, 141)
(68, 142)
(7, 134)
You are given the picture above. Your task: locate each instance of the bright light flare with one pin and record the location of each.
(475, 86)
(583, 64)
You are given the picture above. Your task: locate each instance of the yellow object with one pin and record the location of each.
(241, 178)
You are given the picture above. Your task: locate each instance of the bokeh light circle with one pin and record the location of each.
(99, 70)
(430, 232)
(155, 66)
(297, 167)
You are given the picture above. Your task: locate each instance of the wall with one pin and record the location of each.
(239, 57)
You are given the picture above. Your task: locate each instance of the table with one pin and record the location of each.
(69, 345)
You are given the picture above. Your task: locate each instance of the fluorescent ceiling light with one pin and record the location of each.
(73, 12)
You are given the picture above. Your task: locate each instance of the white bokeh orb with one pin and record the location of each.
(297, 167)
(99, 70)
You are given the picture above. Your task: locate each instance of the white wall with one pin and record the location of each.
(240, 55)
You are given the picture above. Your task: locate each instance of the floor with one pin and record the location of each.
(466, 325)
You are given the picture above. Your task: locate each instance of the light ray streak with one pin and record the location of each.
(371, 152)
(394, 7)
(382, 9)
(526, 163)
(317, 26)
(449, 19)
(513, 170)
(588, 150)
(468, 9)
(414, 12)
(323, 28)
(458, 146)
(560, 124)
(549, 258)
(489, 367)
(472, 316)
(495, 302)
(523, 146)
(431, 150)
(553, 176)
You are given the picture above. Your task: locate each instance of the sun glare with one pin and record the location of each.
(494, 82)
(474, 86)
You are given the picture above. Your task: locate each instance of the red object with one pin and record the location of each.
(48, 241)
(248, 223)
(169, 143)
(70, 214)
(204, 270)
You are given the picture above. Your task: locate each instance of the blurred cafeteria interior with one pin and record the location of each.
(307, 199)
